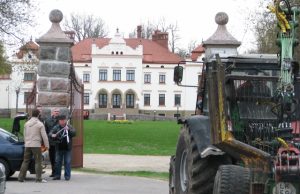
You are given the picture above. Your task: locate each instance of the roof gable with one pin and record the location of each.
(152, 51)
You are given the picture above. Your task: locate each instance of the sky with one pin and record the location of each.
(195, 18)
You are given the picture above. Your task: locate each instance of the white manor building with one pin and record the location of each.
(121, 77)
(134, 76)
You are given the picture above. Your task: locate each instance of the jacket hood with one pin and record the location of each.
(33, 121)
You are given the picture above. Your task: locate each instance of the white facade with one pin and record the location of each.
(20, 82)
(118, 56)
(138, 82)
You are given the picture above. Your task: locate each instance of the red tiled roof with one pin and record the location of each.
(152, 52)
(32, 46)
(197, 52)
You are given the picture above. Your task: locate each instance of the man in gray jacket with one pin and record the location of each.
(34, 136)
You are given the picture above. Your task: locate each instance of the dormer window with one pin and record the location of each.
(117, 53)
(112, 52)
(121, 52)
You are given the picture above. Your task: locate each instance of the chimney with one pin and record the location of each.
(70, 34)
(139, 31)
(161, 38)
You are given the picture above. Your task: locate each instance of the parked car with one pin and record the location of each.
(12, 153)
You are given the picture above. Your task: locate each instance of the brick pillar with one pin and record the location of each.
(54, 67)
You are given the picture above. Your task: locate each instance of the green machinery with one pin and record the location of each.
(246, 137)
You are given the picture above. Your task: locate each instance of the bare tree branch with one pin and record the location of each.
(86, 26)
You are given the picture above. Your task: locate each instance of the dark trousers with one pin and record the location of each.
(66, 156)
(52, 158)
(28, 153)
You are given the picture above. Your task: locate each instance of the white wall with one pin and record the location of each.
(108, 62)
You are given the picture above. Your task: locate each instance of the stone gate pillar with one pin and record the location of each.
(221, 42)
(53, 84)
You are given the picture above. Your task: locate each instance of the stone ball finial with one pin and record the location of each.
(221, 18)
(56, 16)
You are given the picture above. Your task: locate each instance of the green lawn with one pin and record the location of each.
(138, 138)
(154, 175)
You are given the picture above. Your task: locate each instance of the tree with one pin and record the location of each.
(5, 67)
(86, 26)
(149, 28)
(15, 15)
(174, 36)
(266, 30)
(192, 45)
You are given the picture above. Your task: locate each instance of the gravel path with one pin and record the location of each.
(108, 162)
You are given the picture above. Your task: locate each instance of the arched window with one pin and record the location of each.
(129, 100)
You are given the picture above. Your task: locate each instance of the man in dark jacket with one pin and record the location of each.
(64, 134)
(49, 124)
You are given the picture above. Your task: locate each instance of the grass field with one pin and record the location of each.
(138, 138)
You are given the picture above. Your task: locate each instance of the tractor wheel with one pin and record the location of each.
(232, 179)
(193, 174)
(6, 167)
(172, 175)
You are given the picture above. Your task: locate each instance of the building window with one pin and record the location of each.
(102, 75)
(28, 76)
(26, 95)
(162, 79)
(177, 100)
(176, 115)
(102, 100)
(147, 78)
(116, 100)
(117, 75)
(130, 75)
(86, 98)
(162, 114)
(146, 99)
(161, 99)
(129, 100)
(86, 77)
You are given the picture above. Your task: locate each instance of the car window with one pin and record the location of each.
(8, 136)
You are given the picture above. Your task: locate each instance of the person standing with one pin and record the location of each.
(34, 136)
(49, 124)
(64, 133)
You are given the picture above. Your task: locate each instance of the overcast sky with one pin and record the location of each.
(195, 18)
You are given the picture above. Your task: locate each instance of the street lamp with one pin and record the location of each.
(177, 114)
(7, 89)
(154, 115)
(17, 99)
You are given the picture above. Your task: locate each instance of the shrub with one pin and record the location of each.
(120, 122)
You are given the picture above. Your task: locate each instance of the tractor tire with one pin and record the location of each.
(172, 175)
(232, 179)
(193, 174)
(6, 166)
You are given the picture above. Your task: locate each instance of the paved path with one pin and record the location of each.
(107, 162)
(84, 183)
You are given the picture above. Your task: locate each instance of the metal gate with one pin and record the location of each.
(76, 106)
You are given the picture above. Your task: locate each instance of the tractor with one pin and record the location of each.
(245, 137)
